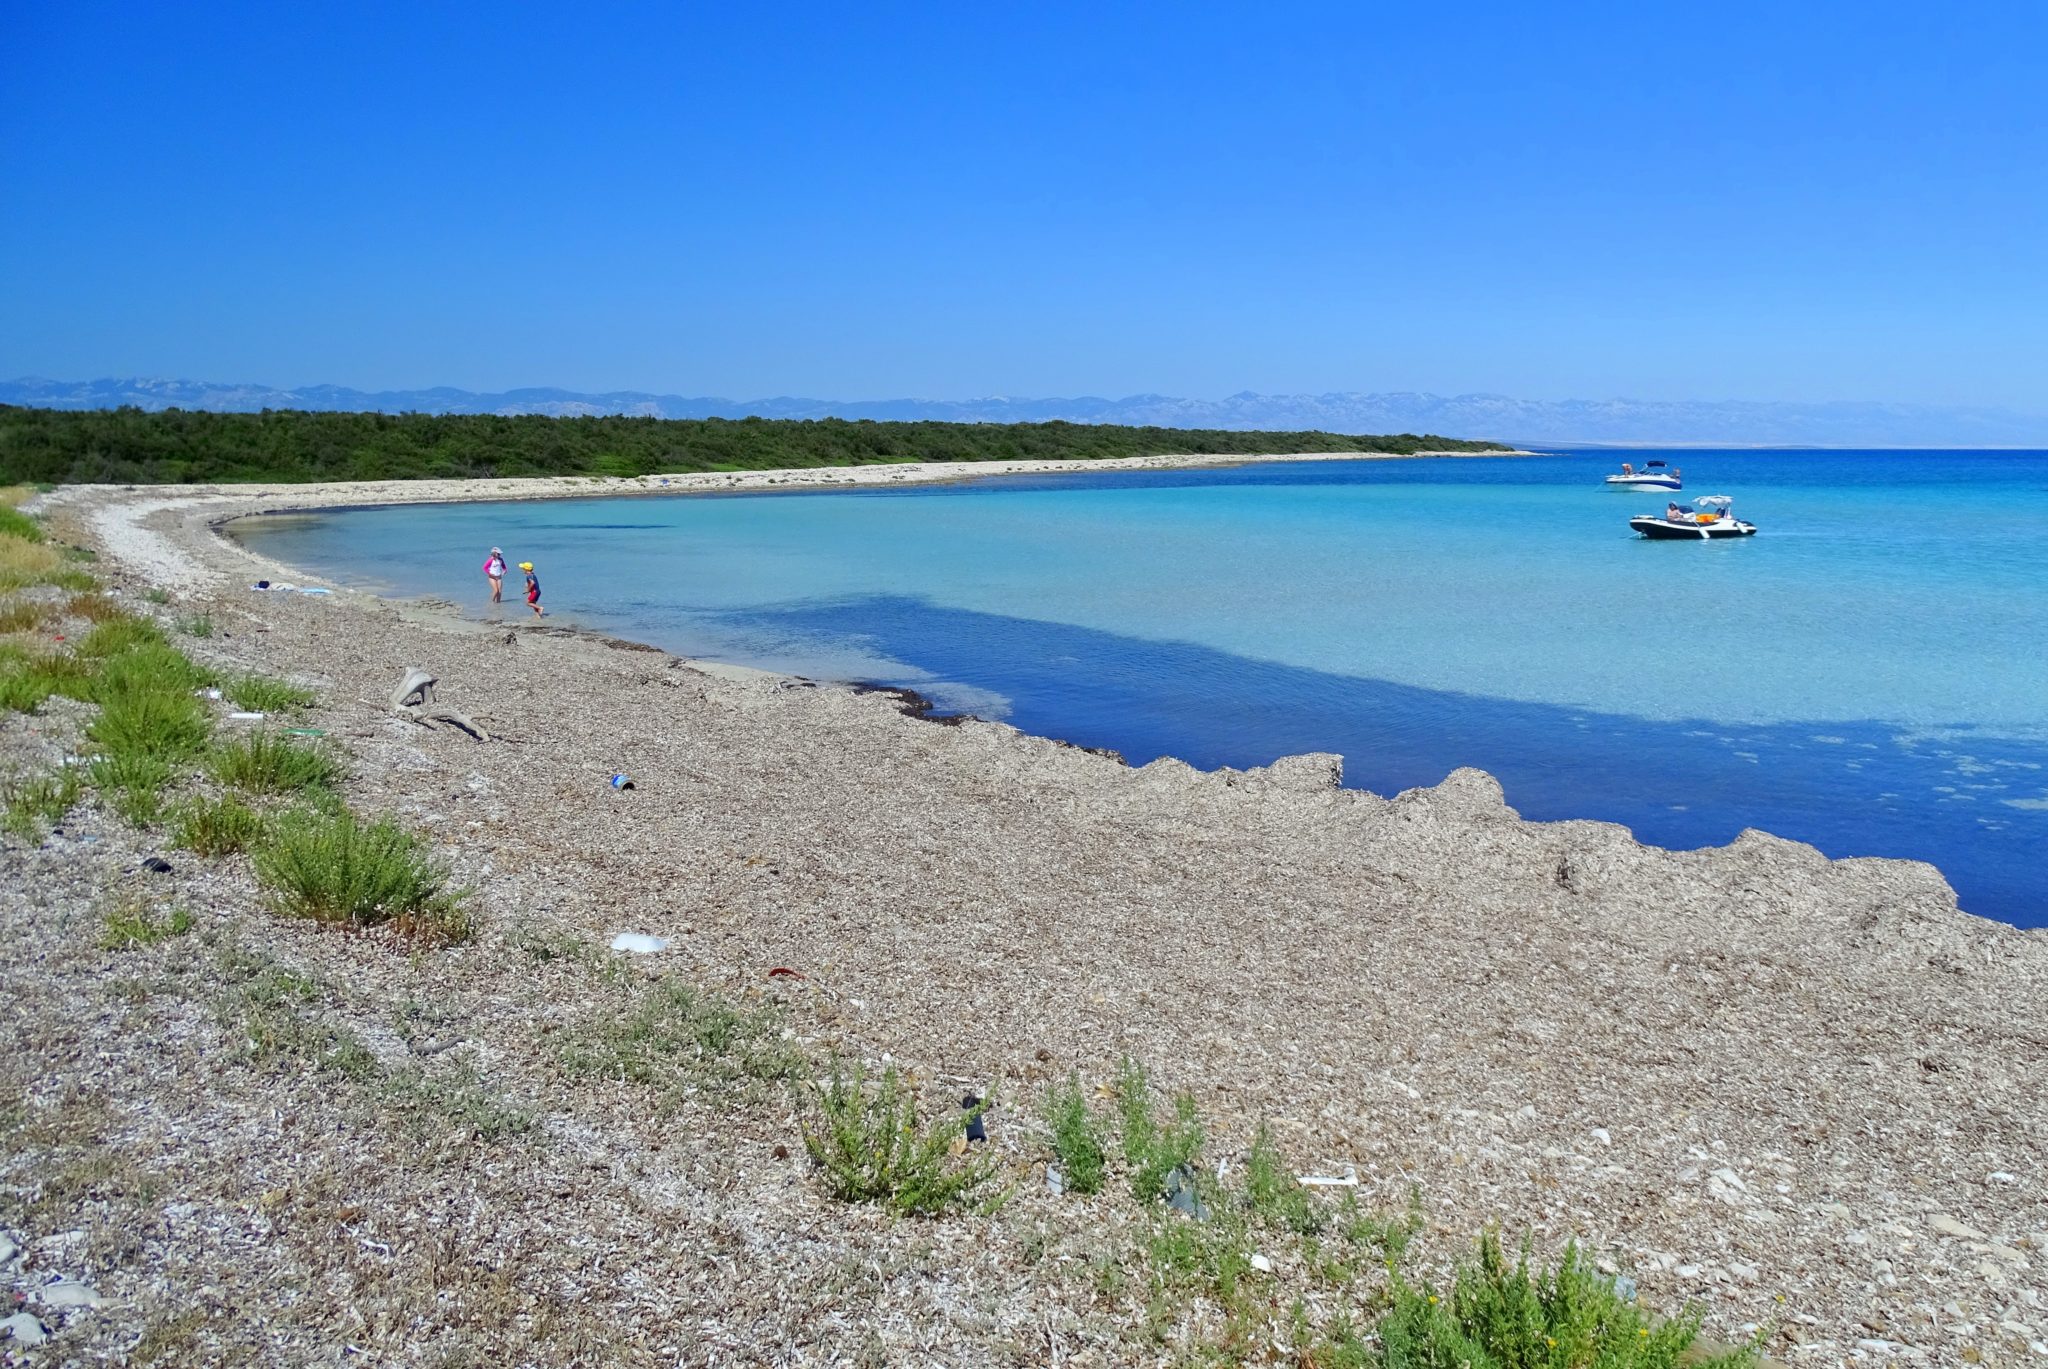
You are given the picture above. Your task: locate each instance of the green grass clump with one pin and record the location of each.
(20, 616)
(157, 595)
(15, 523)
(272, 763)
(676, 1038)
(275, 1013)
(1076, 1136)
(216, 827)
(1153, 1148)
(261, 694)
(868, 1141)
(133, 784)
(148, 668)
(121, 632)
(167, 726)
(131, 925)
(28, 679)
(1502, 1316)
(198, 625)
(95, 607)
(331, 867)
(32, 806)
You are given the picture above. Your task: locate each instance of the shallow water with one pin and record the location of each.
(1866, 674)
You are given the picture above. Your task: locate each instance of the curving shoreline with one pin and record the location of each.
(1710, 1066)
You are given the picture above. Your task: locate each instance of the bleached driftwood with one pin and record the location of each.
(413, 699)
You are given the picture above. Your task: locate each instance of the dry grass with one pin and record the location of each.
(19, 616)
(23, 562)
(95, 607)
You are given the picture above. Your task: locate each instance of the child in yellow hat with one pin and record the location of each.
(532, 589)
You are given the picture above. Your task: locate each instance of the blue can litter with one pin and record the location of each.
(620, 781)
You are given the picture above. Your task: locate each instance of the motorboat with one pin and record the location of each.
(1654, 475)
(1711, 517)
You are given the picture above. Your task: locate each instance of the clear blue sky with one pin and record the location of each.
(1765, 201)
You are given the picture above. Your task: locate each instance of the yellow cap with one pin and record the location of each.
(526, 565)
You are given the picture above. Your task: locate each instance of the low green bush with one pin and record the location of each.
(169, 726)
(867, 1140)
(1076, 1136)
(216, 827)
(15, 523)
(272, 763)
(330, 867)
(198, 625)
(1502, 1316)
(1155, 1149)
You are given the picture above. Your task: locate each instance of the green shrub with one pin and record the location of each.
(261, 694)
(216, 827)
(1504, 1317)
(131, 925)
(157, 595)
(1076, 1137)
(1154, 1149)
(199, 625)
(151, 723)
(872, 1149)
(272, 763)
(34, 805)
(329, 867)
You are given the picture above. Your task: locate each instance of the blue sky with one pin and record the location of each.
(1808, 201)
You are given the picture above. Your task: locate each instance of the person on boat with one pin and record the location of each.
(1627, 469)
(1673, 514)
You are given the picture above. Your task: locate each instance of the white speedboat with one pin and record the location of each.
(1711, 516)
(1654, 475)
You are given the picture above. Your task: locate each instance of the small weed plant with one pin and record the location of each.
(275, 1011)
(216, 827)
(15, 523)
(262, 694)
(22, 616)
(133, 925)
(157, 595)
(34, 805)
(118, 633)
(1503, 1316)
(1273, 1194)
(866, 1138)
(676, 1038)
(1153, 1148)
(331, 867)
(1076, 1136)
(148, 668)
(27, 679)
(272, 763)
(198, 625)
(94, 607)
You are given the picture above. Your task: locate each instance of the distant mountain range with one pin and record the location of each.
(1559, 422)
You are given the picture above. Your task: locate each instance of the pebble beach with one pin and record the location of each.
(1804, 1096)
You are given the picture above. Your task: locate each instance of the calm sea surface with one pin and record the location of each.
(1869, 673)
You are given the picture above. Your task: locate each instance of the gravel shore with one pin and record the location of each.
(1806, 1095)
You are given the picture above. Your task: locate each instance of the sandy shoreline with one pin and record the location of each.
(1796, 1091)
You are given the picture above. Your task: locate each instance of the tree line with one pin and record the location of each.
(132, 446)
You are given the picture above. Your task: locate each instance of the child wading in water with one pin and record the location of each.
(494, 571)
(532, 588)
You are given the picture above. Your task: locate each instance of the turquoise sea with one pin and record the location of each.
(1869, 673)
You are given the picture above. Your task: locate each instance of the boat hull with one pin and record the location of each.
(1643, 482)
(1662, 530)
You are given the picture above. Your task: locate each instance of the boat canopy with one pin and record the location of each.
(1719, 503)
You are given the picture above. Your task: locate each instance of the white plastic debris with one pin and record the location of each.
(23, 1329)
(639, 943)
(1262, 1264)
(245, 717)
(207, 693)
(1348, 1179)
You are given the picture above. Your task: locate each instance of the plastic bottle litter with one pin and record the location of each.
(639, 943)
(1348, 1179)
(304, 732)
(245, 717)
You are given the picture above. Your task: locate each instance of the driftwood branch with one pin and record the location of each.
(413, 699)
